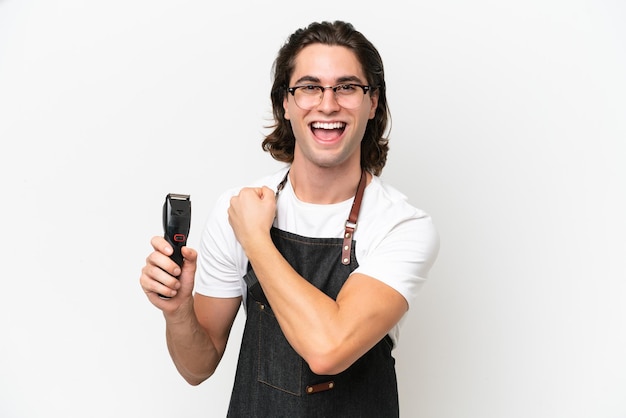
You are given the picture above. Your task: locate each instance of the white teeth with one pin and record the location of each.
(325, 125)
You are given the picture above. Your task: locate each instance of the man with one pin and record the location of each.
(325, 257)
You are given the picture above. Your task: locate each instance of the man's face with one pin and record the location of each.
(328, 135)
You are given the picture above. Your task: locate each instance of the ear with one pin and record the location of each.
(286, 106)
(373, 103)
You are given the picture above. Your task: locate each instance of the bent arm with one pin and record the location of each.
(329, 334)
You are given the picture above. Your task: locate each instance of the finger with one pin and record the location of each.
(160, 244)
(263, 192)
(257, 191)
(163, 262)
(155, 280)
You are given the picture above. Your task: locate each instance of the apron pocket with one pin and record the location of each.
(279, 365)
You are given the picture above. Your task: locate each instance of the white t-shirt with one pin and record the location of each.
(395, 242)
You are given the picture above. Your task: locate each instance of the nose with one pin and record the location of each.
(329, 101)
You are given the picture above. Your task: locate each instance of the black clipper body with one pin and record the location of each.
(176, 223)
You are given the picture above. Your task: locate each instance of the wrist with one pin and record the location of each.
(259, 248)
(180, 315)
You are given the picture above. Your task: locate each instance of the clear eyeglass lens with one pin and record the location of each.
(347, 96)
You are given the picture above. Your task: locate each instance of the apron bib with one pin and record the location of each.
(273, 381)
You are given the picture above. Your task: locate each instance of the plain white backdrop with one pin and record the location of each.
(509, 128)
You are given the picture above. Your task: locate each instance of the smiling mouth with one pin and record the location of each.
(328, 130)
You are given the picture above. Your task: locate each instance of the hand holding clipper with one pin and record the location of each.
(176, 224)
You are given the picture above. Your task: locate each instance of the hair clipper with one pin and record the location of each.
(176, 223)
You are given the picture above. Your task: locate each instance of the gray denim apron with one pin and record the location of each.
(273, 381)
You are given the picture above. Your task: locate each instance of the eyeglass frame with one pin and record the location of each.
(322, 89)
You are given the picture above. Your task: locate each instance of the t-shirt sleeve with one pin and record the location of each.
(218, 274)
(404, 255)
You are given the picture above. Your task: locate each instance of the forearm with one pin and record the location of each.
(190, 346)
(311, 321)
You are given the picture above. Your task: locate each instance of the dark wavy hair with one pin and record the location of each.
(280, 142)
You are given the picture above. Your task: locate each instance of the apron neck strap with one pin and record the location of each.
(352, 218)
(351, 222)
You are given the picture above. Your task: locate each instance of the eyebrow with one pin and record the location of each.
(344, 79)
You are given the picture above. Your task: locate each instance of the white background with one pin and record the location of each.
(508, 128)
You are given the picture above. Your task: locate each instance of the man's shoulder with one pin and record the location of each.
(385, 197)
(270, 180)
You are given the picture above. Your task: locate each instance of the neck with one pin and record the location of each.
(322, 185)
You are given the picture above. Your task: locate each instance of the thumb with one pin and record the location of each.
(188, 269)
(266, 192)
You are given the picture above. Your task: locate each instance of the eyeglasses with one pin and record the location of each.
(347, 96)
